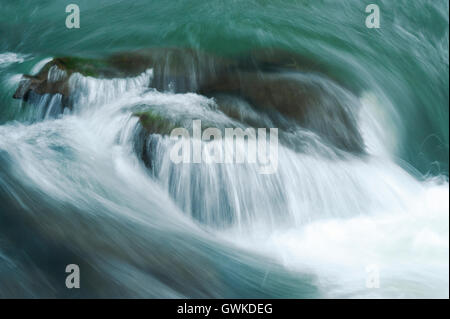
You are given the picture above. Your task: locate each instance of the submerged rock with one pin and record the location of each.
(174, 69)
(314, 102)
(186, 70)
(274, 82)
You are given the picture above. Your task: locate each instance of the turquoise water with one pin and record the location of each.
(405, 62)
(60, 175)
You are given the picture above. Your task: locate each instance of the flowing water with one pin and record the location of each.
(74, 188)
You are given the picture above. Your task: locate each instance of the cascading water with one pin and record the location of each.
(84, 184)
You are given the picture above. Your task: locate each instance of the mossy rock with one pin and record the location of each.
(258, 77)
(45, 83)
(154, 123)
(86, 67)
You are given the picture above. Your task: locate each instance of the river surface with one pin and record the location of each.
(74, 191)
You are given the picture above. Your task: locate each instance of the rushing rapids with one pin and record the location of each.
(86, 176)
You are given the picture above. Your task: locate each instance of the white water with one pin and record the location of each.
(323, 215)
(8, 58)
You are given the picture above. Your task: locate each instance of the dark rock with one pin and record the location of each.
(277, 83)
(154, 123)
(53, 77)
(315, 103)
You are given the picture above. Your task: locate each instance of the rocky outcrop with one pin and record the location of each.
(154, 123)
(53, 77)
(315, 102)
(277, 83)
(174, 69)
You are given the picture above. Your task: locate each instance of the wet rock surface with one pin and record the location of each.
(277, 83)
